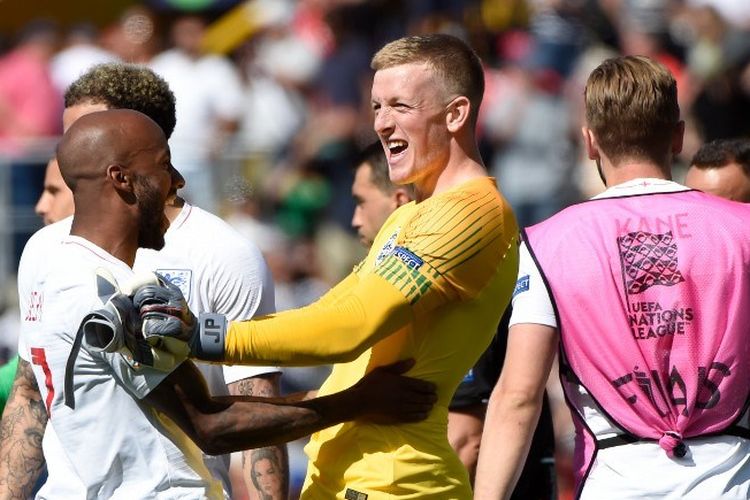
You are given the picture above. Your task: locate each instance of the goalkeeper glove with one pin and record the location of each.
(168, 322)
(116, 327)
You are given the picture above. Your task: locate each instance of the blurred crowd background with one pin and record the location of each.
(273, 107)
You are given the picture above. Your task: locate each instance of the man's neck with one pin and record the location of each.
(628, 171)
(461, 168)
(120, 244)
(173, 211)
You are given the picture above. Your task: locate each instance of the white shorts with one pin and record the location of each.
(716, 467)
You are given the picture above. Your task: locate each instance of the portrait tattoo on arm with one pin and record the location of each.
(266, 470)
(21, 432)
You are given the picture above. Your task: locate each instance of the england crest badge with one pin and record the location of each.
(182, 278)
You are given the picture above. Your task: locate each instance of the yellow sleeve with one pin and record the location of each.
(447, 252)
(338, 291)
(329, 331)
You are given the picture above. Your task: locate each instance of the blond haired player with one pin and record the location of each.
(433, 286)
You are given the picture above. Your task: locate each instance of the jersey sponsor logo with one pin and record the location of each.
(34, 312)
(387, 248)
(181, 278)
(408, 257)
(522, 285)
(667, 392)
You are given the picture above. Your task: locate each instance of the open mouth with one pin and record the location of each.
(397, 146)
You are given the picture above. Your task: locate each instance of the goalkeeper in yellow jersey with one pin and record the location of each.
(438, 276)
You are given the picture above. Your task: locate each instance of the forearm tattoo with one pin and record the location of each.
(21, 432)
(266, 469)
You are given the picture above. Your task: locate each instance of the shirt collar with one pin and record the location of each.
(642, 185)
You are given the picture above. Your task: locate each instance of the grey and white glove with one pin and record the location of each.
(116, 327)
(169, 323)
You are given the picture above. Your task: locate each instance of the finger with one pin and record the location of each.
(398, 367)
(164, 325)
(416, 407)
(161, 310)
(414, 417)
(149, 294)
(417, 385)
(422, 398)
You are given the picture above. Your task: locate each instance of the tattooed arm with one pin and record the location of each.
(21, 431)
(222, 425)
(274, 460)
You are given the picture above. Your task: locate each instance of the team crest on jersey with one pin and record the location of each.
(181, 278)
(34, 312)
(388, 248)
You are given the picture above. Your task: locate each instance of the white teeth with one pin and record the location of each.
(395, 144)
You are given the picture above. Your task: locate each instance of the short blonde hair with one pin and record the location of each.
(631, 106)
(453, 62)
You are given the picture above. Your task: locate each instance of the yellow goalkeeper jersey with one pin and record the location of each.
(433, 287)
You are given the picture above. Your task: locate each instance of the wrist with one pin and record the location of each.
(208, 342)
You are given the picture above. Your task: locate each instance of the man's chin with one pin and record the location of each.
(152, 243)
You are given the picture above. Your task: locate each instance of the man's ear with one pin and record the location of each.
(677, 138)
(457, 113)
(592, 146)
(121, 179)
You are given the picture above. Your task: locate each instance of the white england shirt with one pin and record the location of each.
(715, 467)
(117, 446)
(217, 270)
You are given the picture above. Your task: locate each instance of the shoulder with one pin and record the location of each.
(213, 240)
(473, 212)
(53, 233)
(41, 249)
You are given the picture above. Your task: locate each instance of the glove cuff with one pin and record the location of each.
(102, 330)
(212, 330)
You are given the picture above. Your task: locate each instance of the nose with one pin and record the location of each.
(357, 218)
(42, 206)
(383, 123)
(178, 181)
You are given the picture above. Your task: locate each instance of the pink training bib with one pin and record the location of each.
(652, 296)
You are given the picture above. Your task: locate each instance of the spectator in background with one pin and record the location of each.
(209, 102)
(722, 168)
(81, 51)
(530, 131)
(30, 108)
(29, 102)
(134, 37)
